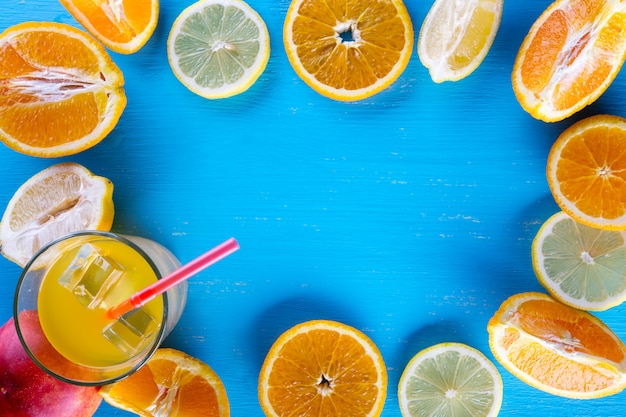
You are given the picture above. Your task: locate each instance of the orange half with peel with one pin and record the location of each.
(60, 92)
(570, 56)
(122, 26)
(171, 384)
(556, 348)
(348, 50)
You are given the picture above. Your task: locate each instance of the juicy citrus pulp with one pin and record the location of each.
(450, 380)
(321, 368)
(218, 48)
(61, 199)
(579, 265)
(61, 92)
(456, 36)
(348, 50)
(122, 26)
(586, 171)
(570, 56)
(172, 384)
(556, 348)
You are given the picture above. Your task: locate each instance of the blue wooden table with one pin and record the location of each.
(408, 215)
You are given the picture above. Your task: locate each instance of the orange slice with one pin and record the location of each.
(60, 92)
(172, 384)
(556, 348)
(586, 171)
(123, 26)
(570, 56)
(323, 368)
(348, 50)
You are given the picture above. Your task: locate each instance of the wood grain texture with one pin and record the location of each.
(408, 215)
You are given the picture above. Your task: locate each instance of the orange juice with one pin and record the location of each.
(78, 331)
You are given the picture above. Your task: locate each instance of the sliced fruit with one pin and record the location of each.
(323, 367)
(60, 92)
(570, 56)
(123, 26)
(456, 36)
(218, 48)
(172, 384)
(556, 348)
(61, 199)
(348, 50)
(579, 265)
(450, 380)
(586, 171)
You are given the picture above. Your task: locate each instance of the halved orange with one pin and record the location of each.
(60, 92)
(123, 26)
(323, 368)
(172, 384)
(556, 348)
(348, 50)
(570, 56)
(586, 171)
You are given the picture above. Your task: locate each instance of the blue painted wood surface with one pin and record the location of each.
(408, 215)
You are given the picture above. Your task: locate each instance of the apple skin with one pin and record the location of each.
(27, 391)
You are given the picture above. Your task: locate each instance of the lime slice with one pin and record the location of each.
(579, 265)
(218, 48)
(450, 379)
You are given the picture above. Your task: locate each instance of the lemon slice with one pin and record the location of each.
(58, 200)
(450, 379)
(456, 36)
(218, 48)
(579, 265)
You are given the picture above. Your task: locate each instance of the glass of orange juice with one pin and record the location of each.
(64, 293)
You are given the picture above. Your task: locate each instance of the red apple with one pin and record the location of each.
(27, 391)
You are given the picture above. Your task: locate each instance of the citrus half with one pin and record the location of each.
(456, 37)
(60, 91)
(570, 56)
(557, 348)
(171, 384)
(61, 199)
(123, 26)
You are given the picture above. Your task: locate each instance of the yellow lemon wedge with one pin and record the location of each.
(61, 199)
(456, 37)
